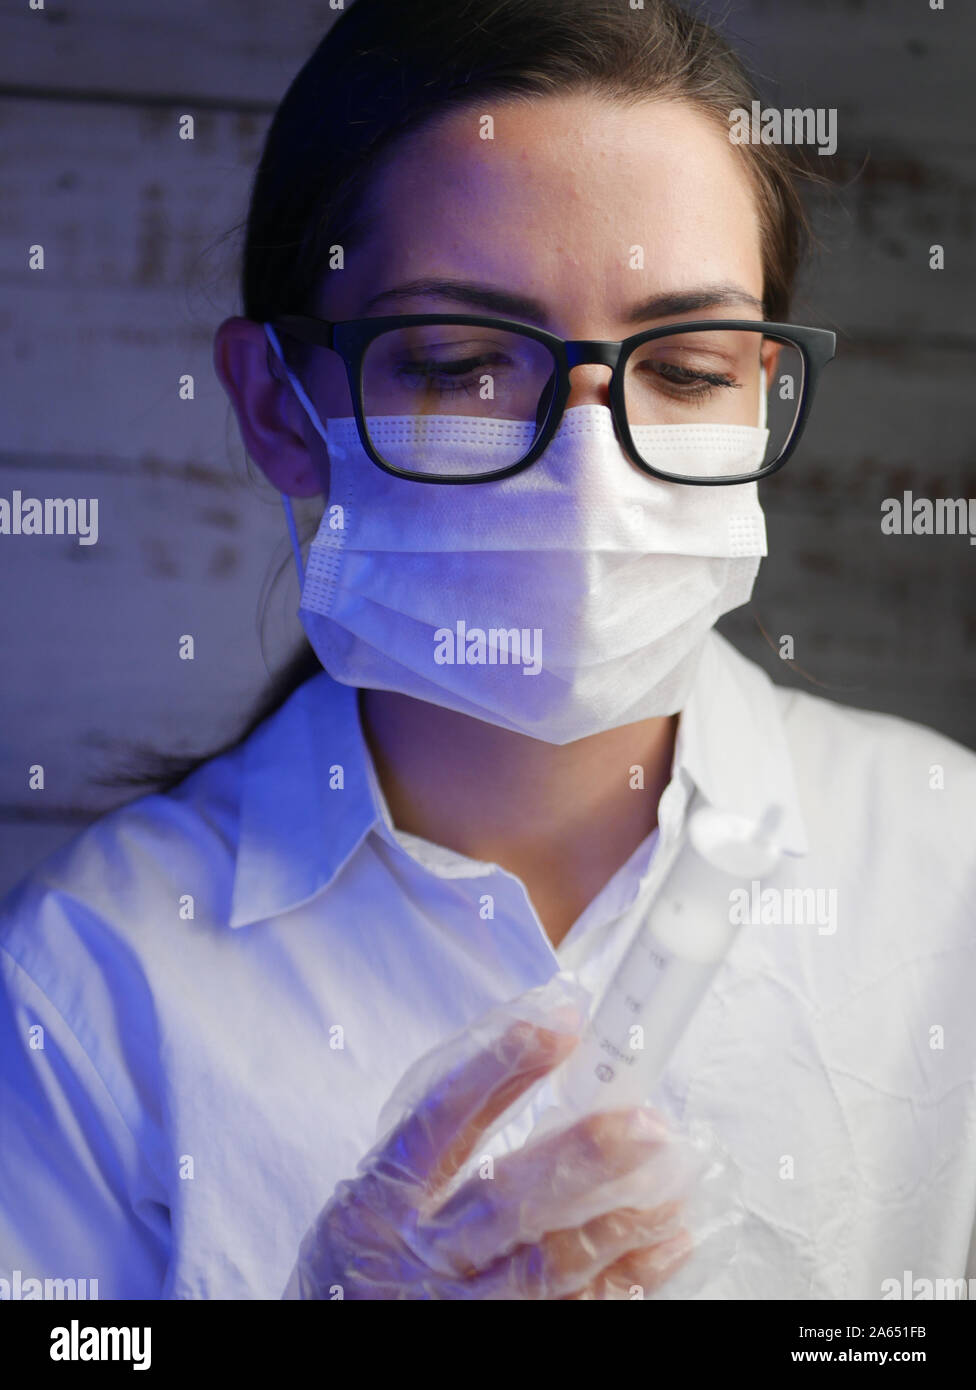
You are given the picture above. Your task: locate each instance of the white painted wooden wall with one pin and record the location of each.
(138, 273)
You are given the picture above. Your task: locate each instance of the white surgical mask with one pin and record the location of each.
(568, 599)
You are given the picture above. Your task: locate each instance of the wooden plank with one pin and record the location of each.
(873, 631)
(229, 53)
(153, 218)
(893, 68)
(898, 73)
(882, 422)
(136, 277)
(870, 276)
(92, 645)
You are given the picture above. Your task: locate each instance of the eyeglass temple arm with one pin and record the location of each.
(318, 332)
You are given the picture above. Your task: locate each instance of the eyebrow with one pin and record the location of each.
(518, 306)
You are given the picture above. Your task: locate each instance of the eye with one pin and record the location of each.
(687, 381)
(449, 374)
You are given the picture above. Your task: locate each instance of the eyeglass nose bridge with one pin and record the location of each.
(586, 351)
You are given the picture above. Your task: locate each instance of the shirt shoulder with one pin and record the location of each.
(875, 773)
(131, 875)
(100, 945)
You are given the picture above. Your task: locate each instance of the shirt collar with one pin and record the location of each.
(306, 800)
(732, 742)
(310, 794)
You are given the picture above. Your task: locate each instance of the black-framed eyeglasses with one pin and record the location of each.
(704, 373)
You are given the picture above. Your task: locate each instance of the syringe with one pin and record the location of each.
(666, 971)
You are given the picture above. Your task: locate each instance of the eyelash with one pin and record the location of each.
(432, 371)
(446, 377)
(705, 382)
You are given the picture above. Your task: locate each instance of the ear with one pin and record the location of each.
(770, 355)
(274, 427)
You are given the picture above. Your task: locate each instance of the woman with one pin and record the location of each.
(537, 502)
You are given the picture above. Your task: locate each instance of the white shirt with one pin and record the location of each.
(186, 1118)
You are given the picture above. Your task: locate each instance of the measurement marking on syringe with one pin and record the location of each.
(660, 961)
(608, 1046)
(665, 971)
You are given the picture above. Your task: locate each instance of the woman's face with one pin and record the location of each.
(547, 214)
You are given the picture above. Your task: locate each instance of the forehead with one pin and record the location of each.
(587, 203)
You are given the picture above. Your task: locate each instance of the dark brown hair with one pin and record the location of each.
(386, 67)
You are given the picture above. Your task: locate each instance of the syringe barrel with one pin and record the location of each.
(645, 1009)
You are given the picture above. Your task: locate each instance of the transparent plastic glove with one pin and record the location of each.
(413, 1225)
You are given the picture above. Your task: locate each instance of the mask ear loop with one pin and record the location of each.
(299, 390)
(296, 549)
(762, 397)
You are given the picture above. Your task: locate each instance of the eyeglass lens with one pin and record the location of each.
(693, 378)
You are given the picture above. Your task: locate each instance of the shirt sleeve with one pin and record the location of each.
(74, 1201)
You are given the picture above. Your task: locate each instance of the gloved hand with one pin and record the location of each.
(402, 1229)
